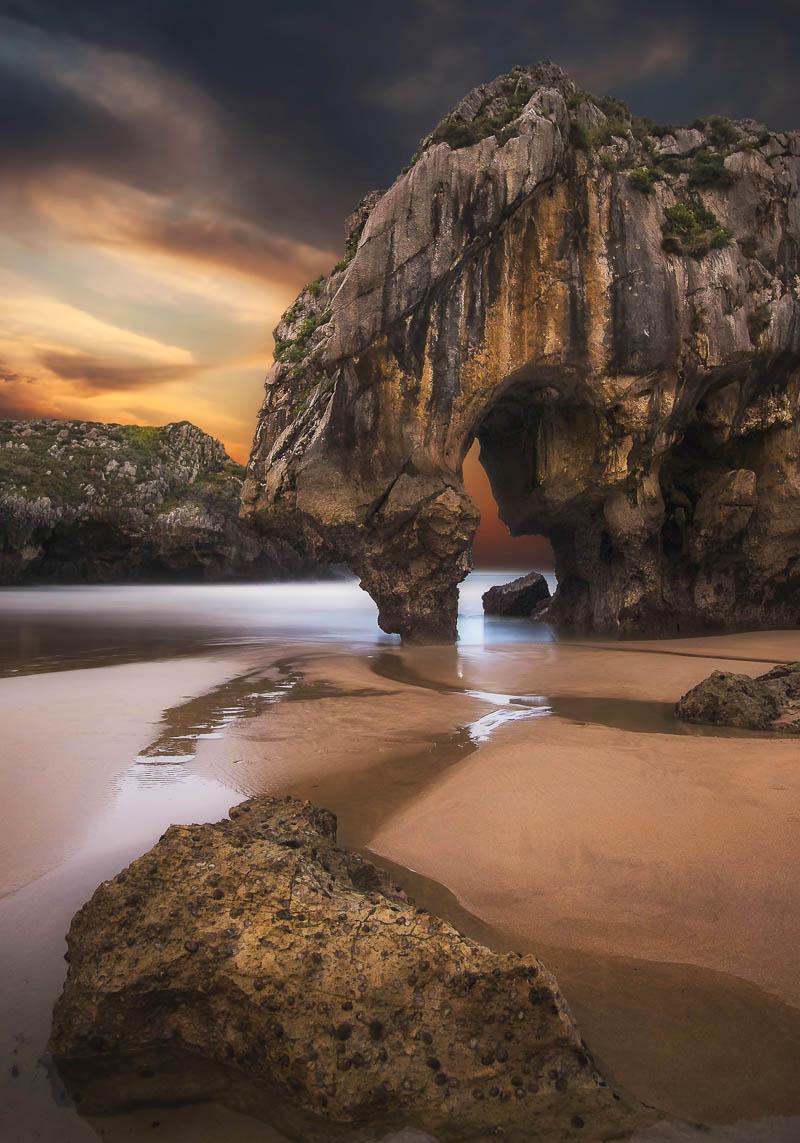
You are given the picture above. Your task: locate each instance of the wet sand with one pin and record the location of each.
(621, 835)
(540, 795)
(652, 864)
(68, 736)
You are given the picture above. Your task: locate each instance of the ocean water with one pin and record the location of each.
(42, 628)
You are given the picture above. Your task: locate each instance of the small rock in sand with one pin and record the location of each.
(767, 702)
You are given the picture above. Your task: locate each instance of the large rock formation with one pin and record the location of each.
(253, 961)
(93, 502)
(767, 702)
(612, 309)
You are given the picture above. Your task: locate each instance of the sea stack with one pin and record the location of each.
(611, 308)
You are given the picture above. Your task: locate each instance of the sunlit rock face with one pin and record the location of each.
(253, 961)
(87, 502)
(612, 309)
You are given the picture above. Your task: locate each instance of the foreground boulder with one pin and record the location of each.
(254, 962)
(521, 597)
(611, 308)
(768, 702)
(86, 502)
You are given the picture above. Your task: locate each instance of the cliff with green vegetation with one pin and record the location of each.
(85, 502)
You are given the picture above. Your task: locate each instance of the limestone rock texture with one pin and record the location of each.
(767, 702)
(521, 597)
(252, 961)
(88, 502)
(612, 309)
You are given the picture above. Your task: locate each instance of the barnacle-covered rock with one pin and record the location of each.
(253, 961)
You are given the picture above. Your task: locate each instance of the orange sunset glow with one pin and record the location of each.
(129, 302)
(124, 300)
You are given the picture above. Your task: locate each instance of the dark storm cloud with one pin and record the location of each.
(42, 124)
(317, 103)
(309, 105)
(53, 114)
(91, 375)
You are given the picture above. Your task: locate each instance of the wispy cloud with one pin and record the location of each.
(89, 374)
(132, 288)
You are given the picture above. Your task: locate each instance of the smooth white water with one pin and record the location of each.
(42, 627)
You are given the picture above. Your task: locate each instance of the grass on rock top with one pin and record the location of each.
(60, 460)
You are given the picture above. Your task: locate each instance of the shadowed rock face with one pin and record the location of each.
(252, 961)
(612, 310)
(521, 597)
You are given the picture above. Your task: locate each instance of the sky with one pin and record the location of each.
(173, 171)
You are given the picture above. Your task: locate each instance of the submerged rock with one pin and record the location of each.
(86, 502)
(520, 597)
(767, 702)
(252, 961)
(612, 309)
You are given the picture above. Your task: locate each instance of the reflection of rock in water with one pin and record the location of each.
(254, 962)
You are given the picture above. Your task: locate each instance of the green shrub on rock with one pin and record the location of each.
(580, 137)
(691, 229)
(722, 131)
(708, 169)
(294, 349)
(644, 179)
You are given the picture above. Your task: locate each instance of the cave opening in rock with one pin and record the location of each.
(494, 546)
(531, 462)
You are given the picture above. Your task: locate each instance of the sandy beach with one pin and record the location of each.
(652, 864)
(76, 732)
(539, 794)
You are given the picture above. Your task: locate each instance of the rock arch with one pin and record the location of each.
(623, 341)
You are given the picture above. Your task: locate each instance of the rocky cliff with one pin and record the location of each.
(611, 308)
(97, 503)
